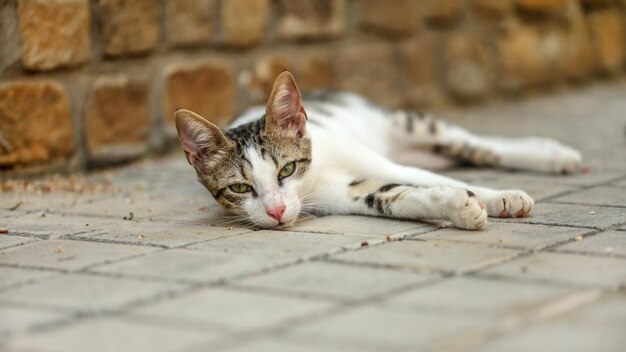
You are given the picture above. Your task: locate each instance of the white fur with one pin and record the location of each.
(270, 194)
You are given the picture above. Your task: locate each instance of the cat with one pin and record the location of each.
(329, 153)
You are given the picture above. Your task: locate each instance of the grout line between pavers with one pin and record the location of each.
(312, 296)
(548, 282)
(527, 222)
(588, 254)
(589, 232)
(585, 187)
(19, 284)
(588, 204)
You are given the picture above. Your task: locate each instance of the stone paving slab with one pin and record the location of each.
(302, 344)
(510, 235)
(621, 183)
(588, 216)
(226, 309)
(110, 334)
(580, 179)
(334, 281)
(431, 255)
(361, 225)
(7, 241)
(475, 296)
(596, 327)
(388, 330)
(601, 195)
(538, 189)
(17, 319)
(192, 266)
(159, 234)
(83, 293)
(48, 225)
(211, 214)
(10, 276)
(611, 158)
(120, 207)
(568, 269)
(67, 255)
(610, 243)
(283, 244)
(43, 202)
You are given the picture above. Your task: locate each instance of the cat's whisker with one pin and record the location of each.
(308, 215)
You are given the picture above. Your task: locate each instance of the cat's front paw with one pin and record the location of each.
(508, 204)
(469, 212)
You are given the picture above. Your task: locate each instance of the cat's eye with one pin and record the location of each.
(287, 170)
(240, 188)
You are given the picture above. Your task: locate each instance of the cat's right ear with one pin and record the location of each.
(199, 138)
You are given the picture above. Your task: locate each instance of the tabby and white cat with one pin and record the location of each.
(279, 161)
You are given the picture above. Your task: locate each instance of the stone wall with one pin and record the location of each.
(93, 82)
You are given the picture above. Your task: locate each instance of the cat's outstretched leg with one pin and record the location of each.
(377, 170)
(377, 198)
(498, 203)
(415, 130)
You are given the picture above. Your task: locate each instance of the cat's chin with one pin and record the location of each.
(281, 225)
(277, 226)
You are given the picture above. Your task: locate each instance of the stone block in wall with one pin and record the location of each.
(128, 27)
(392, 17)
(116, 118)
(314, 71)
(369, 69)
(305, 19)
(9, 36)
(541, 6)
(444, 14)
(521, 60)
(54, 33)
(35, 123)
(576, 59)
(263, 74)
(244, 21)
(189, 22)
(421, 59)
(608, 36)
(492, 8)
(572, 57)
(206, 87)
(598, 3)
(467, 70)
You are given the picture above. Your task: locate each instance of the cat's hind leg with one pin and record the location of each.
(415, 130)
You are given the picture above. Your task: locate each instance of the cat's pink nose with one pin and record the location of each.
(276, 213)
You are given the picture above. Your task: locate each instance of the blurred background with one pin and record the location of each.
(89, 83)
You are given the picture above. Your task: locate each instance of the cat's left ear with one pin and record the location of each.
(284, 109)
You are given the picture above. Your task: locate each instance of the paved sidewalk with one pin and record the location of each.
(141, 259)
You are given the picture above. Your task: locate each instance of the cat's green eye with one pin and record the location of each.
(240, 188)
(287, 170)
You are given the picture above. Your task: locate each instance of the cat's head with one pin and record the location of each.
(256, 169)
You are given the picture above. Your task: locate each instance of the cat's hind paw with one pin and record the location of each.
(509, 204)
(471, 213)
(566, 160)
